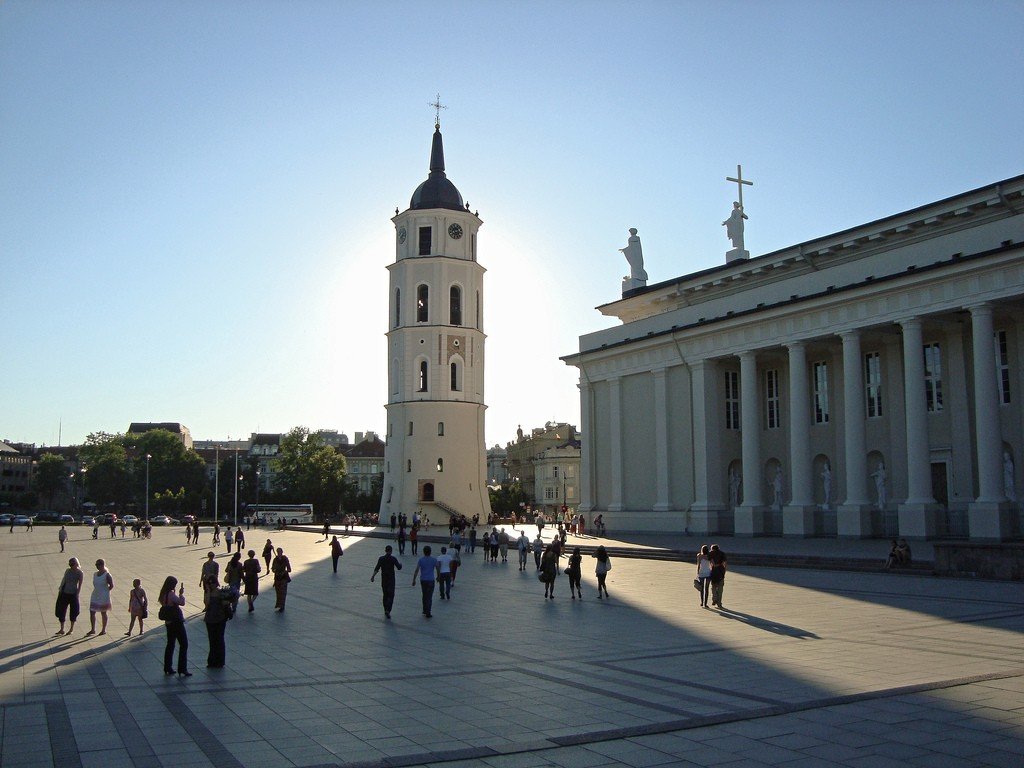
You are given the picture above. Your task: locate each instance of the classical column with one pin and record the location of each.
(989, 514)
(702, 516)
(615, 441)
(661, 503)
(853, 517)
(798, 515)
(750, 514)
(586, 447)
(917, 513)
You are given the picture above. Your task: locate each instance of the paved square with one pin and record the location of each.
(803, 668)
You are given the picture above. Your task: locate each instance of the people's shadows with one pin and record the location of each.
(17, 649)
(44, 648)
(88, 653)
(775, 627)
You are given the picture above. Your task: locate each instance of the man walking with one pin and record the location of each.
(387, 564)
(718, 567)
(523, 543)
(62, 536)
(444, 574)
(426, 569)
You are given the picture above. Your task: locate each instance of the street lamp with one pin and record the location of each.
(216, 483)
(148, 457)
(236, 487)
(257, 491)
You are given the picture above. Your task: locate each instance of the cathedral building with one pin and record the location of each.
(435, 459)
(865, 383)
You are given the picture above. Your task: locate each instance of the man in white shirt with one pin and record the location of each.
(523, 542)
(444, 573)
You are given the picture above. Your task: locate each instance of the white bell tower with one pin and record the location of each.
(435, 458)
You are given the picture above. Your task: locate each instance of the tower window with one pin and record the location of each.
(422, 303)
(398, 307)
(408, 465)
(455, 306)
(422, 377)
(410, 427)
(456, 378)
(425, 237)
(440, 429)
(440, 465)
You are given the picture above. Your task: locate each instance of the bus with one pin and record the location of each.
(272, 514)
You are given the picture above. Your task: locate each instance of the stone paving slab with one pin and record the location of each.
(800, 668)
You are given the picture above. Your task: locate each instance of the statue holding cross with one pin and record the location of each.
(734, 224)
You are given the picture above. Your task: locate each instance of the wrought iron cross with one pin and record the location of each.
(438, 106)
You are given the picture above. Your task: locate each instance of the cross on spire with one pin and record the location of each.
(438, 106)
(740, 181)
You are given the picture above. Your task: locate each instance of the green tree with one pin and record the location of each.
(171, 465)
(51, 476)
(309, 471)
(508, 497)
(108, 480)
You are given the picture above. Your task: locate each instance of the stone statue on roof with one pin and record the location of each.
(634, 254)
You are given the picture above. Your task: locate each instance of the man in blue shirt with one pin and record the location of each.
(426, 569)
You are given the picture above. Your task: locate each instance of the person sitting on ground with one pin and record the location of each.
(903, 551)
(894, 555)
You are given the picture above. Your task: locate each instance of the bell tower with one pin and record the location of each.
(435, 458)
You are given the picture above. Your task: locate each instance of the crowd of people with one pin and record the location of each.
(220, 595)
(221, 592)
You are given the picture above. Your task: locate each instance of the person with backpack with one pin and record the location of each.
(218, 613)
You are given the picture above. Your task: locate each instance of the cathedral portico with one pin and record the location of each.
(876, 395)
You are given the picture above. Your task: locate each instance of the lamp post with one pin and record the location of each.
(236, 487)
(148, 457)
(257, 491)
(216, 483)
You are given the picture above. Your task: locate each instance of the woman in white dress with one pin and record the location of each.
(99, 601)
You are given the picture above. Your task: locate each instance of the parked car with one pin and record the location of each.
(108, 518)
(88, 520)
(189, 518)
(65, 519)
(164, 520)
(5, 519)
(23, 520)
(129, 519)
(47, 516)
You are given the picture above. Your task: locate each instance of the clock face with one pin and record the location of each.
(455, 231)
(401, 235)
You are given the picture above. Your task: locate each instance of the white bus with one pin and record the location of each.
(272, 514)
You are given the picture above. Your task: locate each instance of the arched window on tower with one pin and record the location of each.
(456, 375)
(422, 384)
(478, 310)
(455, 305)
(422, 298)
(398, 307)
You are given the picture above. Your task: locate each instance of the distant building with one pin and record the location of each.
(365, 460)
(547, 465)
(497, 465)
(334, 438)
(15, 470)
(139, 427)
(264, 447)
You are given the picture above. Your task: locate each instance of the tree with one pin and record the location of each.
(508, 497)
(309, 471)
(108, 479)
(171, 465)
(51, 476)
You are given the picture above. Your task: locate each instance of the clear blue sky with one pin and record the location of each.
(195, 197)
